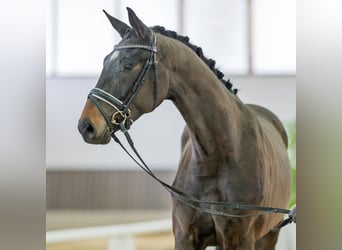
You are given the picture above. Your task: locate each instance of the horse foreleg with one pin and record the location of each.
(268, 241)
(231, 244)
(181, 231)
(186, 242)
(247, 244)
(183, 244)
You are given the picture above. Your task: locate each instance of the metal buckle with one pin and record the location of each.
(121, 115)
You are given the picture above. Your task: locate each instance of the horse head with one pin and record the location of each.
(132, 83)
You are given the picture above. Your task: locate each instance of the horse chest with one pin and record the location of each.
(220, 185)
(217, 182)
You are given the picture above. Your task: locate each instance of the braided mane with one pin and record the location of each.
(198, 50)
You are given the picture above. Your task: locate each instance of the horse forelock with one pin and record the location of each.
(198, 50)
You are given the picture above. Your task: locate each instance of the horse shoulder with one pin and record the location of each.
(271, 118)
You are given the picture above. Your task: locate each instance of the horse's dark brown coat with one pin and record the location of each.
(231, 151)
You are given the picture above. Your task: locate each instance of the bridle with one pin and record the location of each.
(121, 118)
(122, 113)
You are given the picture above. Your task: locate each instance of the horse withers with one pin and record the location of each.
(231, 152)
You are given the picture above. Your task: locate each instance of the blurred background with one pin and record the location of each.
(253, 43)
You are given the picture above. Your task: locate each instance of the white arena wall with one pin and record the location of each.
(156, 135)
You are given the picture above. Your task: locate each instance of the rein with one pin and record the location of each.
(121, 118)
(197, 203)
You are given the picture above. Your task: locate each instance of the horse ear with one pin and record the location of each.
(120, 27)
(139, 27)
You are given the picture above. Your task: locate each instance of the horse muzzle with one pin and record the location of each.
(91, 135)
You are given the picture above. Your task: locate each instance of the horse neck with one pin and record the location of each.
(212, 113)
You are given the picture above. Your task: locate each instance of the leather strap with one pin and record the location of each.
(122, 107)
(202, 205)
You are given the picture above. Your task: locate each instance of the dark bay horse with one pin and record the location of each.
(231, 151)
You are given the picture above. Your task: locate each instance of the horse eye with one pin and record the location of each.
(128, 66)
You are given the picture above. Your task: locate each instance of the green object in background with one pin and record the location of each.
(294, 191)
(292, 138)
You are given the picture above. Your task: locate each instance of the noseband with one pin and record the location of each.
(122, 113)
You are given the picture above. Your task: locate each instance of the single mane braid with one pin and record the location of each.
(198, 50)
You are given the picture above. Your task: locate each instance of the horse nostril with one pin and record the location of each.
(87, 129)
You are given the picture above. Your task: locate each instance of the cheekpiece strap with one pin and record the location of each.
(122, 112)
